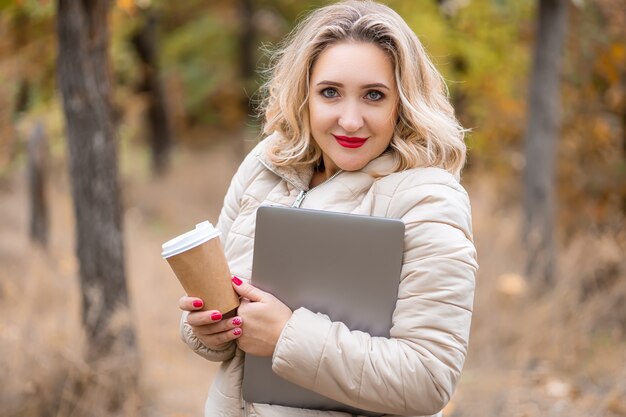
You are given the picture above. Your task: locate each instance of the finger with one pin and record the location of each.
(190, 303)
(201, 318)
(221, 338)
(247, 290)
(221, 326)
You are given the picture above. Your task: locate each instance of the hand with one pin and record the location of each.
(264, 315)
(208, 325)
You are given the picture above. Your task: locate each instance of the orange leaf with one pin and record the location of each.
(126, 5)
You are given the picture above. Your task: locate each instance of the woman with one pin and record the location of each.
(358, 121)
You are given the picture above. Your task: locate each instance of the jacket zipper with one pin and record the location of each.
(245, 406)
(303, 193)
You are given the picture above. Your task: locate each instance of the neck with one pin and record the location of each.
(326, 167)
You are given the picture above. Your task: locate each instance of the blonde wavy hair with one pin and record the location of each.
(427, 132)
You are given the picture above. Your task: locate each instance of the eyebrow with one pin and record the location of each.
(336, 84)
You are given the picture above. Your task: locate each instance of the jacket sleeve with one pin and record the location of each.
(245, 174)
(414, 372)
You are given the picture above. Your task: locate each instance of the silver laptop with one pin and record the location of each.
(344, 265)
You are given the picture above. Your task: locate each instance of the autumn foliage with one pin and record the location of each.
(530, 352)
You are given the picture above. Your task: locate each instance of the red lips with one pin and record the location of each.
(350, 141)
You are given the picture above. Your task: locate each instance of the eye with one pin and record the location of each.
(374, 95)
(329, 92)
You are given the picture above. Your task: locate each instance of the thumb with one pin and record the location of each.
(246, 290)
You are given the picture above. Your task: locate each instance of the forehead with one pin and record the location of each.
(358, 62)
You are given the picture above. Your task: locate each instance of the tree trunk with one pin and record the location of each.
(83, 73)
(246, 49)
(623, 119)
(246, 67)
(37, 164)
(541, 142)
(20, 30)
(145, 43)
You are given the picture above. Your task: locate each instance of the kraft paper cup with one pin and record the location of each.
(198, 260)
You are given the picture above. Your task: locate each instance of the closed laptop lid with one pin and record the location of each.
(343, 265)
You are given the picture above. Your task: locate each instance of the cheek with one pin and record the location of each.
(319, 115)
(385, 121)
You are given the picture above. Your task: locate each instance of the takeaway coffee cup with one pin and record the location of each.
(197, 259)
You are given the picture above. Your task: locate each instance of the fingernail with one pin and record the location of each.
(216, 316)
(237, 331)
(197, 303)
(237, 281)
(236, 321)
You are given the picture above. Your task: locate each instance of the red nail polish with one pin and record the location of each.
(236, 321)
(216, 316)
(237, 331)
(237, 281)
(197, 303)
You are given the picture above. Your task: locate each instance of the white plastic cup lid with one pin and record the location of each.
(204, 231)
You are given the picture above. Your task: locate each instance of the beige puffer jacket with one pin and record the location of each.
(415, 371)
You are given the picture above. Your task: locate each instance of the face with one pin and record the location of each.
(352, 104)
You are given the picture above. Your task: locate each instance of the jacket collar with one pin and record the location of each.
(300, 177)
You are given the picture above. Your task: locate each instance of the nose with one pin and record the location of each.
(351, 118)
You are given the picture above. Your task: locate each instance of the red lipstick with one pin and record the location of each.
(350, 141)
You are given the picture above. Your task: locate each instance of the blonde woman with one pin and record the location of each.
(356, 111)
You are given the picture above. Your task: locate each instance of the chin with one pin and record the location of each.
(352, 165)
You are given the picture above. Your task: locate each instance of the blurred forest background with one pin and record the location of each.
(178, 82)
